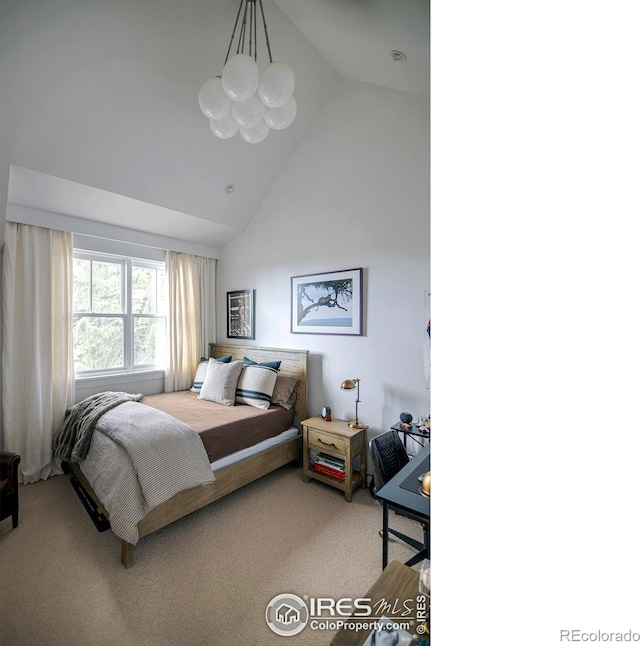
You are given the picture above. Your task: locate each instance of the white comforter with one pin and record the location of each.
(140, 457)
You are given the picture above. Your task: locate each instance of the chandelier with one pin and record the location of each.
(244, 99)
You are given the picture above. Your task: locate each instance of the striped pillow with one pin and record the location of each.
(201, 371)
(255, 386)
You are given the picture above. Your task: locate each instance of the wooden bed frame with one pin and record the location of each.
(228, 479)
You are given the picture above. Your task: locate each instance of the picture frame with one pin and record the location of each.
(327, 303)
(241, 314)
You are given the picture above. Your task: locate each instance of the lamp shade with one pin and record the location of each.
(347, 384)
(249, 113)
(282, 117)
(256, 134)
(240, 77)
(276, 85)
(213, 102)
(224, 128)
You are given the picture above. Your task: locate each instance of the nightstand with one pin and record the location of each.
(329, 452)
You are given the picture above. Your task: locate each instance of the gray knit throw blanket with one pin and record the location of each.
(71, 442)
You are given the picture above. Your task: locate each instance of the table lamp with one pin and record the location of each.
(351, 384)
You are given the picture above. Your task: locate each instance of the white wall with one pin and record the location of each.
(104, 94)
(354, 194)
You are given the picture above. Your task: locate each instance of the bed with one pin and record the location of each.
(233, 467)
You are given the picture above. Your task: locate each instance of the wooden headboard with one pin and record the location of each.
(293, 362)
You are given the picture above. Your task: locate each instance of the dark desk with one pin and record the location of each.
(421, 437)
(402, 493)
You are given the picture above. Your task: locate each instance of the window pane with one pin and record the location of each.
(98, 343)
(107, 287)
(143, 290)
(162, 292)
(81, 282)
(148, 341)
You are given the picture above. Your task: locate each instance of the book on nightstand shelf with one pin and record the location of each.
(328, 471)
(330, 461)
(327, 465)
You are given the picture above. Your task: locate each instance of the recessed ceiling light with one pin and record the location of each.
(397, 55)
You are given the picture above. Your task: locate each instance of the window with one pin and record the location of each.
(118, 313)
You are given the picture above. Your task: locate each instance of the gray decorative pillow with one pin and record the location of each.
(284, 392)
(255, 386)
(220, 382)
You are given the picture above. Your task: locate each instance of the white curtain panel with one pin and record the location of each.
(38, 380)
(191, 319)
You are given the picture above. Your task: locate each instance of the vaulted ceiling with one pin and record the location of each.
(100, 112)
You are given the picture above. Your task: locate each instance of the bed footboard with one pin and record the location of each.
(227, 480)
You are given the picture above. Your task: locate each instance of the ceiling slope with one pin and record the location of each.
(100, 110)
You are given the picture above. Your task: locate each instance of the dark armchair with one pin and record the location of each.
(9, 486)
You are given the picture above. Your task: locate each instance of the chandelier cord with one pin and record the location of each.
(232, 35)
(253, 31)
(243, 30)
(266, 33)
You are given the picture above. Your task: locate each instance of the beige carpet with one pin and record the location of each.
(206, 579)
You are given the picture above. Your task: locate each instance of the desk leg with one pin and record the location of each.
(427, 541)
(385, 534)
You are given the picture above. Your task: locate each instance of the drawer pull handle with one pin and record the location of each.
(327, 443)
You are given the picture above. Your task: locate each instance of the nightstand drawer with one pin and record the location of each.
(325, 442)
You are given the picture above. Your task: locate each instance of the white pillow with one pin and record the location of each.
(220, 382)
(255, 386)
(201, 371)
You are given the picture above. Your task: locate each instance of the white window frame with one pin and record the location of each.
(128, 317)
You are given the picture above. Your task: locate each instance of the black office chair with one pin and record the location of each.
(388, 456)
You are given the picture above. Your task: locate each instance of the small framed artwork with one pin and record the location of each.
(240, 314)
(327, 303)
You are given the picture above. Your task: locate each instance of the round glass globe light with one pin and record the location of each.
(224, 128)
(240, 77)
(249, 113)
(281, 118)
(214, 103)
(255, 135)
(276, 85)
